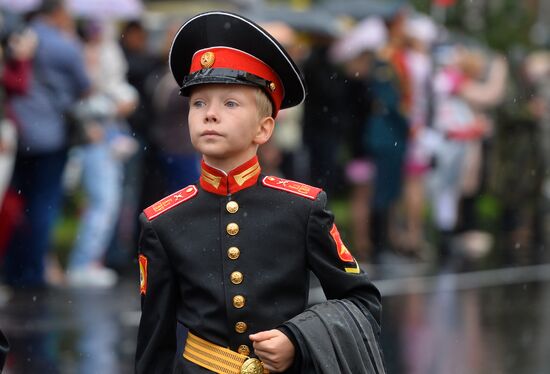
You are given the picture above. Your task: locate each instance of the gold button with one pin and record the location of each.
(233, 253)
(240, 327)
(252, 366)
(232, 229)
(238, 301)
(244, 350)
(232, 207)
(236, 277)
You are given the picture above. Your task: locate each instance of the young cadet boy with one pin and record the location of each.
(225, 263)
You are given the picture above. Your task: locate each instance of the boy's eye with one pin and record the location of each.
(231, 104)
(198, 103)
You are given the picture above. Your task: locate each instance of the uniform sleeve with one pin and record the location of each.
(333, 264)
(156, 345)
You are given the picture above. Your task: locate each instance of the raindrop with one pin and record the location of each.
(517, 245)
(34, 298)
(395, 144)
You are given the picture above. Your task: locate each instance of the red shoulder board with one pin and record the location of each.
(171, 201)
(292, 187)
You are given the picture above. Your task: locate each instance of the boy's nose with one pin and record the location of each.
(211, 115)
(211, 118)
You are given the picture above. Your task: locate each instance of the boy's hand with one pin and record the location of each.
(274, 349)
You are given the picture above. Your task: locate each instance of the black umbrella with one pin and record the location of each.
(313, 21)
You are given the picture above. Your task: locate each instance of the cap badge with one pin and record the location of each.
(207, 59)
(272, 86)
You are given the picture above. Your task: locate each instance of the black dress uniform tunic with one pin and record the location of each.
(231, 256)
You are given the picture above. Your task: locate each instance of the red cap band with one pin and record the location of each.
(230, 58)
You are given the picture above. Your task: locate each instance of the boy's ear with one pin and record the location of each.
(265, 129)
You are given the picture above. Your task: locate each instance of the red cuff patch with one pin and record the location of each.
(343, 251)
(142, 274)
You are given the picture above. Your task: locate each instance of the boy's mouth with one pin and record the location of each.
(210, 132)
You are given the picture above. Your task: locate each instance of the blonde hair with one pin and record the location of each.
(265, 107)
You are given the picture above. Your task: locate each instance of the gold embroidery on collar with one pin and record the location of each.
(247, 174)
(211, 178)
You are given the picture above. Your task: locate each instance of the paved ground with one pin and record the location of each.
(493, 321)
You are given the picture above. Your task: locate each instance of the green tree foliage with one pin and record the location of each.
(500, 24)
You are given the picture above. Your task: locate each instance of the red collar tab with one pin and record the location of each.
(218, 182)
(170, 202)
(235, 59)
(292, 187)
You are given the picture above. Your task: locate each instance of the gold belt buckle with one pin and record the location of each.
(252, 366)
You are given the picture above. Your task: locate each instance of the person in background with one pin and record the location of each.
(108, 146)
(18, 44)
(537, 72)
(421, 33)
(284, 155)
(465, 83)
(16, 52)
(524, 219)
(356, 52)
(325, 117)
(141, 175)
(484, 87)
(141, 63)
(58, 81)
(178, 160)
(387, 133)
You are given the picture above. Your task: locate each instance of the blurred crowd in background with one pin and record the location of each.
(433, 147)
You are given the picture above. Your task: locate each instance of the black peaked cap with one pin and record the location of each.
(224, 29)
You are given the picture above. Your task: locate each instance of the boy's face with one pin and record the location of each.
(224, 123)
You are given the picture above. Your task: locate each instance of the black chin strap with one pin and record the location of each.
(220, 75)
